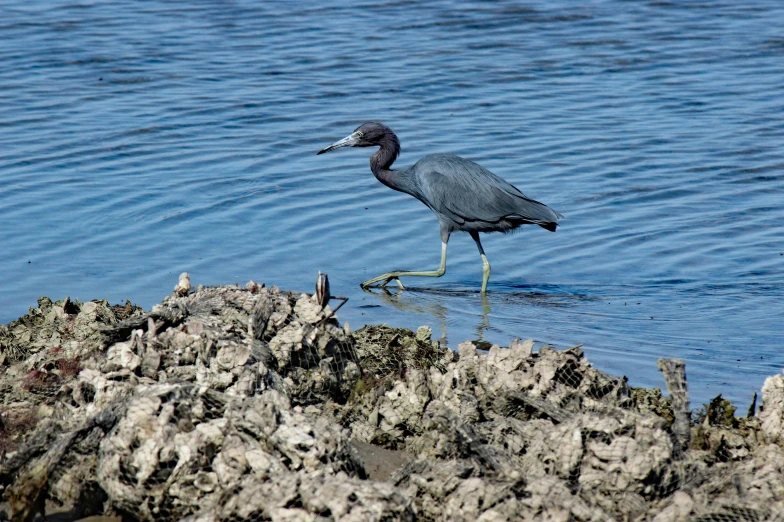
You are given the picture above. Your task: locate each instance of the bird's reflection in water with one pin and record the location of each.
(442, 305)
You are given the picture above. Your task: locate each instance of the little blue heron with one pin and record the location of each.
(464, 196)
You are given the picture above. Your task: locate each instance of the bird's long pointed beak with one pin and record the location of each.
(348, 141)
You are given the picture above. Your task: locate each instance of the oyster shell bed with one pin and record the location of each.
(251, 403)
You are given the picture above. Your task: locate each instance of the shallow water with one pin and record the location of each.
(141, 140)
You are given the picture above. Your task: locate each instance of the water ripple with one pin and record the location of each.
(141, 141)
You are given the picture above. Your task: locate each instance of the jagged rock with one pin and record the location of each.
(772, 414)
(183, 285)
(229, 403)
(121, 355)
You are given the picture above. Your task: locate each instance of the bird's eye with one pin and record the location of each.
(359, 135)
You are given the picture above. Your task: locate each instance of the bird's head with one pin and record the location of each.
(366, 135)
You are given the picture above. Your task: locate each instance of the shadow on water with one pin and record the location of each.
(538, 295)
(471, 306)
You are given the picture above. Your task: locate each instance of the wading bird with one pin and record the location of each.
(464, 196)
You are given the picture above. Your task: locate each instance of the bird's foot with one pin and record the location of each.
(396, 279)
(382, 281)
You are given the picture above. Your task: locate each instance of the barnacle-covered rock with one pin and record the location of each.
(772, 414)
(251, 403)
(121, 355)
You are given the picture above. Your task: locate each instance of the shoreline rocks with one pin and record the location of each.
(252, 403)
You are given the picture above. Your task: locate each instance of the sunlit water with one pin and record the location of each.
(144, 139)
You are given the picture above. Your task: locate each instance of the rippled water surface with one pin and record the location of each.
(144, 139)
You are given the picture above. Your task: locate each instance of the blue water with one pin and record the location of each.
(144, 139)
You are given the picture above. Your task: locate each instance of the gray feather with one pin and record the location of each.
(473, 197)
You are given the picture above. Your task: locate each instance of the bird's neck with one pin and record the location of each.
(385, 156)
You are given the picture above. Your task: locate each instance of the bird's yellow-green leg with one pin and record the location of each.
(386, 278)
(485, 273)
(485, 262)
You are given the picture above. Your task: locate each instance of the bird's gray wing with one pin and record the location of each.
(465, 192)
